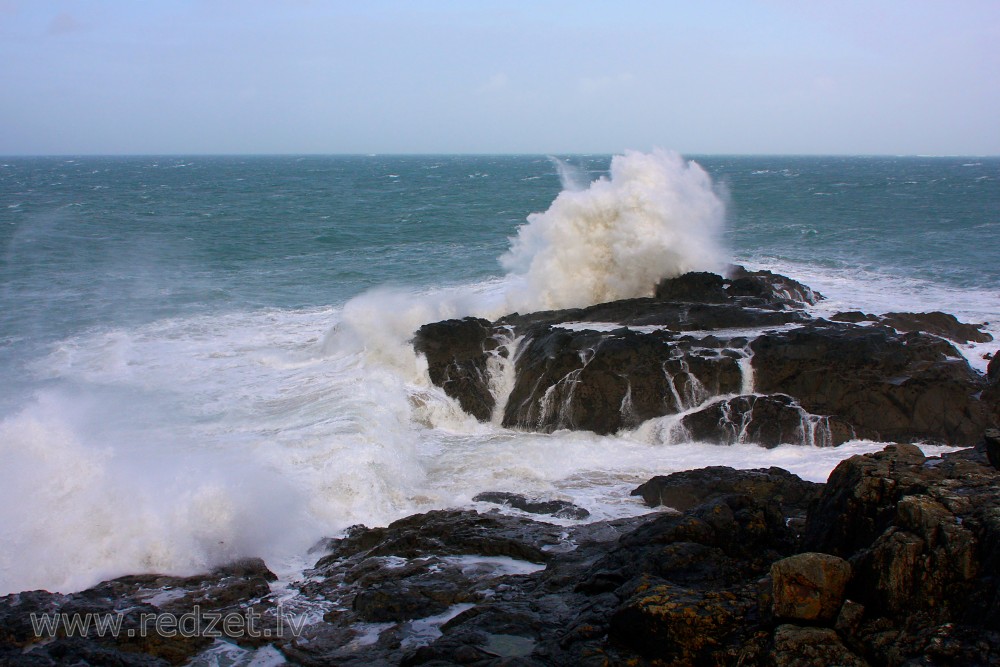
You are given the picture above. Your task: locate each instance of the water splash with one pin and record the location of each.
(657, 216)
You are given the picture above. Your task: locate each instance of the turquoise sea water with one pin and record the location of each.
(196, 347)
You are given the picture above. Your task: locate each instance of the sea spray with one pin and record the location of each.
(657, 216)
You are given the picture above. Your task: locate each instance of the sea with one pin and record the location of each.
(205, 358)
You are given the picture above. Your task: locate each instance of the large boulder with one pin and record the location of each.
(887, 386)
(809, 586)
(607, 381)
(689, 488)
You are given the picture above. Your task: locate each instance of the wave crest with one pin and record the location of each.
(657, 216)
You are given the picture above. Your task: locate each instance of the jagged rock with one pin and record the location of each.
(606, 381)
(771, 286)
(137, 601)
(938, 323)
(682, 625)
(690, 488)
(887, 386)
(923, 539)
(457, 353)
(809, 586)
(763, 420)
(558, 508)
(796, 646)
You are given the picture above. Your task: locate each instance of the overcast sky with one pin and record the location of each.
(512, 76)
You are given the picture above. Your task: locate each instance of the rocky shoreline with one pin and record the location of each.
(895, 560)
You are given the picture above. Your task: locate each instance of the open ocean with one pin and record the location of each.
(205, 358)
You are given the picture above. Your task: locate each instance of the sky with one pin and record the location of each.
(510, 76)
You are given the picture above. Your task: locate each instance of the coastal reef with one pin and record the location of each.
(721, 360)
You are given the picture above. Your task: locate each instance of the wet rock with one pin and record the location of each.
(854, 317)
(887, 386)
(685, 490)
(694, 287)
(769, 421)
(771, 286)
(606, 381)
(562, 509)
(939, 324)
(132, 606)
(809, 586)
(457, 353)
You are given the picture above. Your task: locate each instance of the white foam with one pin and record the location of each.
(657, 216)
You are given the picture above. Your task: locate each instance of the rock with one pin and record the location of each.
(606, 381)
(769, 421)
(558, 508)
(939, 324)
(887, 386)
(854, 316)
(993, 369)
(134, 603)
(457, 353)
(772, 286)
(681, 625)
(991, 440)
(923, 539)
(796, 646)
(694, 287)
(809, 586)
(685, 490)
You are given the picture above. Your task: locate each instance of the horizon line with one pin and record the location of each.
(486, 154)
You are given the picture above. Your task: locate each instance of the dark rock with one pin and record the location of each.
(685, 626)
(558, 508)
(796, 646)
(763, 420)
(694, 287)
(922, 535)
(991, 440)
(690, 488)
(457, 353)
(854, 316)
(993, 369)
(604, 382)
(135, 603)
(887, 386)
(674, 315)
(937, 323)
(772, 286)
